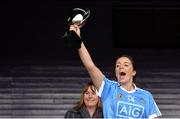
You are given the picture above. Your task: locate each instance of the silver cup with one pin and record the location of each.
(79, 17)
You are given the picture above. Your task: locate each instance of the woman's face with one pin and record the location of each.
(90, 98)
(124, 70)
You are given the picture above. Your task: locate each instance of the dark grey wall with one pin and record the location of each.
(31, 30)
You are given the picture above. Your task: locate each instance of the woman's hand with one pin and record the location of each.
(75, 28)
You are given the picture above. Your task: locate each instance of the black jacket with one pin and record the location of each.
(82, 113)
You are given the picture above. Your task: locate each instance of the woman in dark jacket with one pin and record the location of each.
(89, 105)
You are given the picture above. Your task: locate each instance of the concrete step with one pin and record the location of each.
(167, 96)
(168, 101)
(39, 101)
(52, 79)
(163, 90)
(40, 95)
(24, 106)
(171, 113)
(40, 90)
(169, 107)
(38, 113)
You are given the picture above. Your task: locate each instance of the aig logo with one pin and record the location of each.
(125, 109)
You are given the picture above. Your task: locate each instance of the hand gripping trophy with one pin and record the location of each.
(79, 17)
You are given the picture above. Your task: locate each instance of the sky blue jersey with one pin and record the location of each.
(120, 103)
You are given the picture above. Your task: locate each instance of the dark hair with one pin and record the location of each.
(80, 104)
(132, 61)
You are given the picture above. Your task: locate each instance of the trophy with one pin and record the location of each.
(79, 17)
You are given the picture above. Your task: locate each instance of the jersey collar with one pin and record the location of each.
(132, 91)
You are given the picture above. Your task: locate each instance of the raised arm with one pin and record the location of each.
(95, 74)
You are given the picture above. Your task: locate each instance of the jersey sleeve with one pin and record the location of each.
(106, 88)
(153, 108)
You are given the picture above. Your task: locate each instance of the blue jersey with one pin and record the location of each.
(120, 103)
